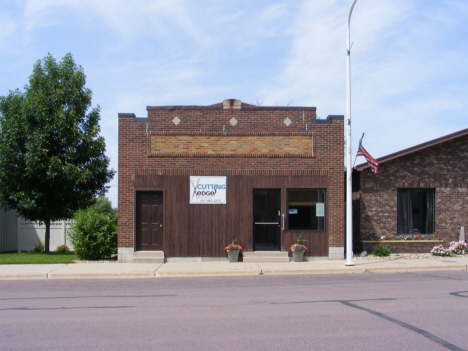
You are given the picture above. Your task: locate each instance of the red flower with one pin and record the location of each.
(298, 247)
(233, 247)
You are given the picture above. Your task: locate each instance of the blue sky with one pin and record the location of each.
(409, 59)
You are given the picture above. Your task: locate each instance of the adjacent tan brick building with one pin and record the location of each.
(192, 178)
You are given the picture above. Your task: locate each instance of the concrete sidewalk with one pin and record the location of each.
(224, 268)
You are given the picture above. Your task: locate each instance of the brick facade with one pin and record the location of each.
(442, 166)
(219, 144)
(250, 141)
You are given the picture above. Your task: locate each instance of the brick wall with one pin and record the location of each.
(443, 167)
(232, 145)
(326, 158)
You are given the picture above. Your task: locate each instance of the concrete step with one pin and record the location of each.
(265, 256)
(148, 257)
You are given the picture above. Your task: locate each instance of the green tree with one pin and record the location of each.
(104, 206)
(52, 159)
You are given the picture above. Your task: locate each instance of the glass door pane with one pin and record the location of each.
(267, 219)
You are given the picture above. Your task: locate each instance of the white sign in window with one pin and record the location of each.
(207, 190)
(320, 209)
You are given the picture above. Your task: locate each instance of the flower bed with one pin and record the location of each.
(423, 237)
(456, 248)
(402, 246)
(402, 243)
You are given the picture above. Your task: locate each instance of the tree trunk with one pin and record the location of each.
(47, 235)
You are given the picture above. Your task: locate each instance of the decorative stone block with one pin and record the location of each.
(233, 122)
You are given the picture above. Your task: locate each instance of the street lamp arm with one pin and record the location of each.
(350, 12)
(349, 25)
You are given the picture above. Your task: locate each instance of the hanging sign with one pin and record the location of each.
(207, 190)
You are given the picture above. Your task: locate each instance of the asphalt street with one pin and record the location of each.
(404, 311)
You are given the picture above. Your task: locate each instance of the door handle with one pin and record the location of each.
(160, 225)
(282, 227)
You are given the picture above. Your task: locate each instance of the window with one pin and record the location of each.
(306, 209)
(415, 209)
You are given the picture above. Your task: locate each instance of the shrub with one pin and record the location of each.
(39, 248)
(93, 234)
(458, 248)
(440, 251)
(62, 248)
(381, 251)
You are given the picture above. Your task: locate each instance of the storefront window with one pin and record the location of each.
(306, 209)
(415, 211)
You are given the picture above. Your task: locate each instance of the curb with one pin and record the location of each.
(23, 276)
(160, 272)
(101, 275)
(204, 274)
(415, 269)
(347, 270)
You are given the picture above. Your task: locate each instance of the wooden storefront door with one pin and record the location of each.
(149, 221)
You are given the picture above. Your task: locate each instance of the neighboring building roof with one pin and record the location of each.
(416, 148)
(222, 105)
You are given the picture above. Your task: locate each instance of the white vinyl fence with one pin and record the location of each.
(30, 233)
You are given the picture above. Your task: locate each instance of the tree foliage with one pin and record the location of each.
(52, 159)
(104, 206)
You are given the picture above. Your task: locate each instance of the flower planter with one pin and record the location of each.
(402, 246)
(298, 256)
(233, 255)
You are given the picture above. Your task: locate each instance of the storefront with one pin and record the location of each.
(192, 178)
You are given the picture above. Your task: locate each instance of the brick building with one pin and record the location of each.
(420, 190)
(192, 178)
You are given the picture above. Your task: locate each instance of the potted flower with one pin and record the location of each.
(233, 250)
(298, 249)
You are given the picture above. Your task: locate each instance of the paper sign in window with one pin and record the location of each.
(320, 209)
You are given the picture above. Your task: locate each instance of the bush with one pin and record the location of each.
(39, 248)
(381, 251)
(62, 248)
(93, 234)
(458, 248)
(440, 251)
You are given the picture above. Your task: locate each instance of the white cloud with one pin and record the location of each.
(401, 88)
(409, 58)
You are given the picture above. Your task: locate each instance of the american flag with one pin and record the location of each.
(373, 163)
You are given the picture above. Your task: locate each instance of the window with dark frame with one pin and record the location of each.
(306, 209)
(415, 209)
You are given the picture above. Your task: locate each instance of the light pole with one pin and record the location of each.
(349, 171)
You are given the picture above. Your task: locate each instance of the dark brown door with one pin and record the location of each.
(149, 235)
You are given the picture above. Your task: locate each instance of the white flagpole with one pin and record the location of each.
(349, 171)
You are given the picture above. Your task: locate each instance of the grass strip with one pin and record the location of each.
(37, 258)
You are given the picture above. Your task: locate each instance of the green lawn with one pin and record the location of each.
(36, 258)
